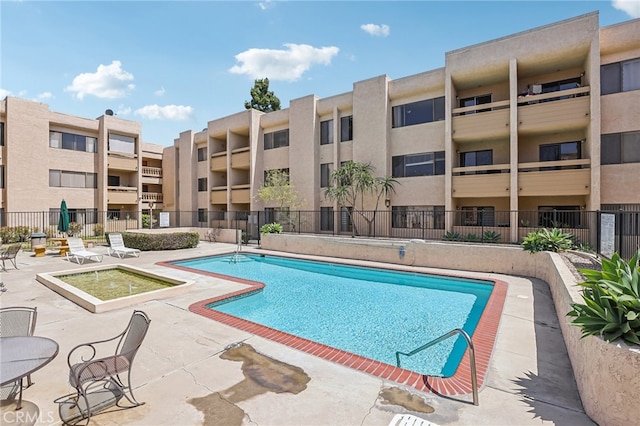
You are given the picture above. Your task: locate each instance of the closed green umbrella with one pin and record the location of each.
(63, 221)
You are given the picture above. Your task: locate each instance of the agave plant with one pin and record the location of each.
(491, 237)
(612, 301)
(452, 236)
(547, 240)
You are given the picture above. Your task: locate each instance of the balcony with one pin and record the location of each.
(241, 194)
(487, 181)
(154, 172)
(219, 162)
(240, 158)
(554, 111)
(484, 121)
(122, 195)
(562, 178)
(219, 195)
(152, 197)
(120, 162)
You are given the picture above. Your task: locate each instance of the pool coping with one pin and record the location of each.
(459, 383)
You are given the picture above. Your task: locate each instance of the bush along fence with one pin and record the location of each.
(471, 224)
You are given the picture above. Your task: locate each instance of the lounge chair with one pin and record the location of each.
(409, 420)
(78, 253)
(117, 247)
(10, 253)
(98, 378)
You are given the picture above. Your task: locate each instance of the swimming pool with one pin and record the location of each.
(367, 311)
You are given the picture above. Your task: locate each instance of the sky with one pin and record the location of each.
(176, 65)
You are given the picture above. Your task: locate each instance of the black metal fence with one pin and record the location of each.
(474, 225)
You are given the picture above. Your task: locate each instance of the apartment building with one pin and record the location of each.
(100, 167)
(507, 132)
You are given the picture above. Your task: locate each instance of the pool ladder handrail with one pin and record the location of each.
(236, 254)
(472, 357)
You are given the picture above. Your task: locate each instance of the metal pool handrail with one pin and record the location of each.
(472, 357)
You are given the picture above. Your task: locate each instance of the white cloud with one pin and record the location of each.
(109, 82)
(4, 93)
(123, 110)
(630, 7)
(288, 65)
(159, 92)
(45, 95)
(267, 4)
(168, 112)
(376, 30)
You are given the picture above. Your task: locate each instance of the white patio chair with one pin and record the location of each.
(117, 247)
(78, 253)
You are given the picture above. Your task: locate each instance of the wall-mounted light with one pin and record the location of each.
(387, 203)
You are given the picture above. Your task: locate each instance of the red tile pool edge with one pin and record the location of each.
(459, 384)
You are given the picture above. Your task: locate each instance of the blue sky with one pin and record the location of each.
(174, 66)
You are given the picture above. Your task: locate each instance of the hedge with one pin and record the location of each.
(157, 242)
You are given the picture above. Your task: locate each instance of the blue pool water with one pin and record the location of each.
(366, 311)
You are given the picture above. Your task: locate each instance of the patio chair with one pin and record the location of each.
(10, 253)
(78, 253)
(117, 247)
(98, 379)
(409, 420)
(17, 321)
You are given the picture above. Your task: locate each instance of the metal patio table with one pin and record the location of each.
(21, 356)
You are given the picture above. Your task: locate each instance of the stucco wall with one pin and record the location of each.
(606, 374)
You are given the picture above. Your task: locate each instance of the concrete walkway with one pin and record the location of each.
(186, 377)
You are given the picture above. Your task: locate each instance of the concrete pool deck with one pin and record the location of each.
(187, 375)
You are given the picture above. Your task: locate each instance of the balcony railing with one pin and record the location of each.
(155, 197)
(555, 178)
(481, 181)
(152, 171)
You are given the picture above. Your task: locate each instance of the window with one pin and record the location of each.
(202, 184)
(1, 175)
(82, 216)
(68, 179)
(121, 143)
(202, 215)
(556, 86)
(61, 140)
(326, 132)
(202, 154)
(346, 128)
(113, 180)
(476, 158)
(1, 134)
(620, 77)
(425, 164)
(475, 100)
(559, 216)
(418, 112)
(559, 152)
(423, 217)
(478, 216)
(326, 218)
(620, 148)
(276, 139)
(325, 174)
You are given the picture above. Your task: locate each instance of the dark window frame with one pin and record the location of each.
(346, 128)
(326, 132)
(425, 111)
(399, 164)
(202, 154)
(202, 184)
(277, 139)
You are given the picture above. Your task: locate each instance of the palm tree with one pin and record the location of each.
(352, 185)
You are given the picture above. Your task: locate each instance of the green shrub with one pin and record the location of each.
(612, 301)
(452, 236)
(491, 237)
(74, 229)
(146, 219)
(98, 229)
(16, 234)
(157, 242)
(271, 228)
(547, 240)
(471, 238)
